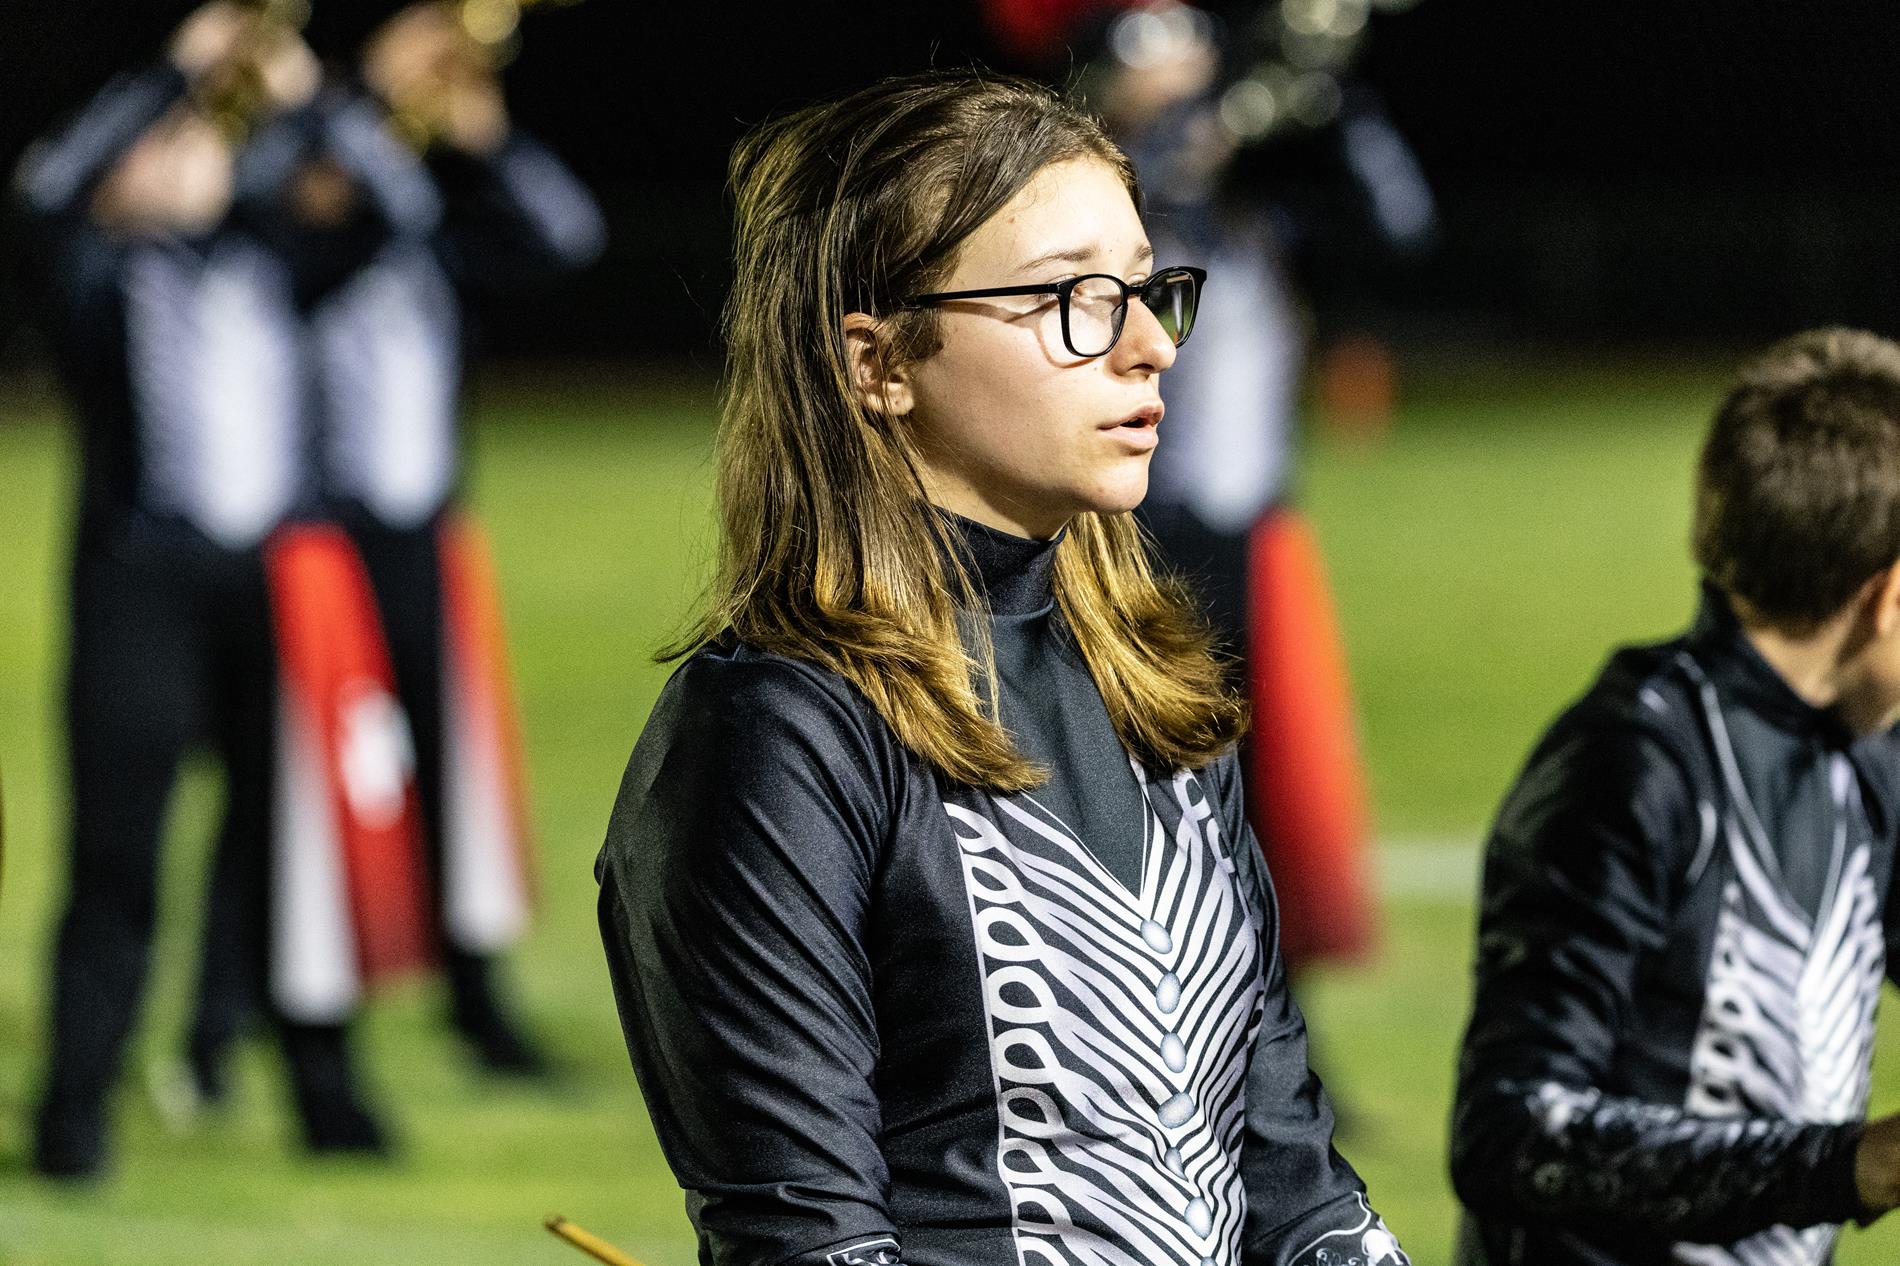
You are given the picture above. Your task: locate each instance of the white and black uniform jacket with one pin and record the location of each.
(879, 1016)
(1683, 936)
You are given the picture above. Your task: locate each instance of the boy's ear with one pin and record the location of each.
(880, 387)
(1886, 589)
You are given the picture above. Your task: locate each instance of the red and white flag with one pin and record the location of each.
(349, 884)
(1306, 786)
(487, 891)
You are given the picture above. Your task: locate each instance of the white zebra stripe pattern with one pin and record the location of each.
(1119, 1027)
(1788, 1023)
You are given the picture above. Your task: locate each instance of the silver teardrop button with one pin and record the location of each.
(1157, 936)
(1168, 993)
(1173, 1053)
(1199, 1216)
(1176, 1110)
(1172, 1159)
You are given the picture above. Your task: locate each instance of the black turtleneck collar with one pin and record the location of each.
(1016, 573)
(1738, 669)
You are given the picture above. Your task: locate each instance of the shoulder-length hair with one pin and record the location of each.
(830, 552)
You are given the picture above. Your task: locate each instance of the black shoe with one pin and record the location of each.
(335, 1119)
(69, 1144)
(209, 1067)
(344, 1127)
(478, 1014)
(499, 1046)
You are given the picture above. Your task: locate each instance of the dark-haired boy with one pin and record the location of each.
(1685, 913)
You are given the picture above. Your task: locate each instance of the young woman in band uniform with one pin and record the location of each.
(935, 925)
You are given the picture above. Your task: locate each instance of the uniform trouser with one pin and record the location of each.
(170, 646)
(1265, 595)
(405, 571)
(1213, 561)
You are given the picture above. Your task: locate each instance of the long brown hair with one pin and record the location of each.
(830, 552)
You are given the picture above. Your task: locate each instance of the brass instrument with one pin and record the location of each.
(494, 24)
(492, 30)
(235, 95)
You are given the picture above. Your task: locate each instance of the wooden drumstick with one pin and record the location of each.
(592, 1245)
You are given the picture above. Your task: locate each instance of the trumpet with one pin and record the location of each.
(471, 41)
(494, 24)
(238, 91)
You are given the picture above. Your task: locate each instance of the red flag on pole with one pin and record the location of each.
(1306, 786)
(487, 860)
(350, 894)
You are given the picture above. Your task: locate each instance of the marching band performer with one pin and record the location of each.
(179, 336)
(937, 929)
(387, 345)
(1189, 100)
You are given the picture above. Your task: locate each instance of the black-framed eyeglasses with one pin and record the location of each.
(1095, 306)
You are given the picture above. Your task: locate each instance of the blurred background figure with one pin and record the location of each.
(1253, 145)
(386, 344)
(175, 315)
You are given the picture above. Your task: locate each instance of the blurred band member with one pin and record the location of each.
(179, 340)
(387, 344)
(1181, 91)
(1687, 914)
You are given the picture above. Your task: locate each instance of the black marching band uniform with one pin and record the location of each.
(183, 359)
(878, 1016)
(1682, 940)
(264, 371)
(386, 347)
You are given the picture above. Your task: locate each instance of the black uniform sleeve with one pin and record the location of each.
(735, 884)
(515, 218)
(1305, 1205)
(398, 197)
(1581, 875)
(59, 173)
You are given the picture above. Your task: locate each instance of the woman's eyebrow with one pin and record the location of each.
(1081, 255)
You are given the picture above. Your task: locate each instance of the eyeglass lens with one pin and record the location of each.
(1097, 311)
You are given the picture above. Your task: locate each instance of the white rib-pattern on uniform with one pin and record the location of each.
(388, 359)
(215, 367)
(1788, 1025)
(1120, 1025)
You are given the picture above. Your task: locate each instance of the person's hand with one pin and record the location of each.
(439, 82)
(210, 37)
(1877, 1166)
(175, 179)
(412, 52)
(242, 62)
(474, 116)
(287, 68)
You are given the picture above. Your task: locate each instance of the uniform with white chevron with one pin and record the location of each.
(1119, 1027)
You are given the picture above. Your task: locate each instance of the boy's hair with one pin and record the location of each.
(1798, 492)
(829, 551)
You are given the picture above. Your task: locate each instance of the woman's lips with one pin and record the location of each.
(1139, 431)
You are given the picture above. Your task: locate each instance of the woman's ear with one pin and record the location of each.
(1886, 590)
(881, 387)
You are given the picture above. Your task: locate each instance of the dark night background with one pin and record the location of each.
(1689, 172)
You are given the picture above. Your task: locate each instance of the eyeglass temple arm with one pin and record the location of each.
(994, 292)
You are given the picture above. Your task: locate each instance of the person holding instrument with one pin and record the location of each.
(933, 917)
(179, 338)
(386, 346)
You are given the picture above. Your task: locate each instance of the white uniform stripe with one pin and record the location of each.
(1120, 1026)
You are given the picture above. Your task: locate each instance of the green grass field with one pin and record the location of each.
(1486, 554)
